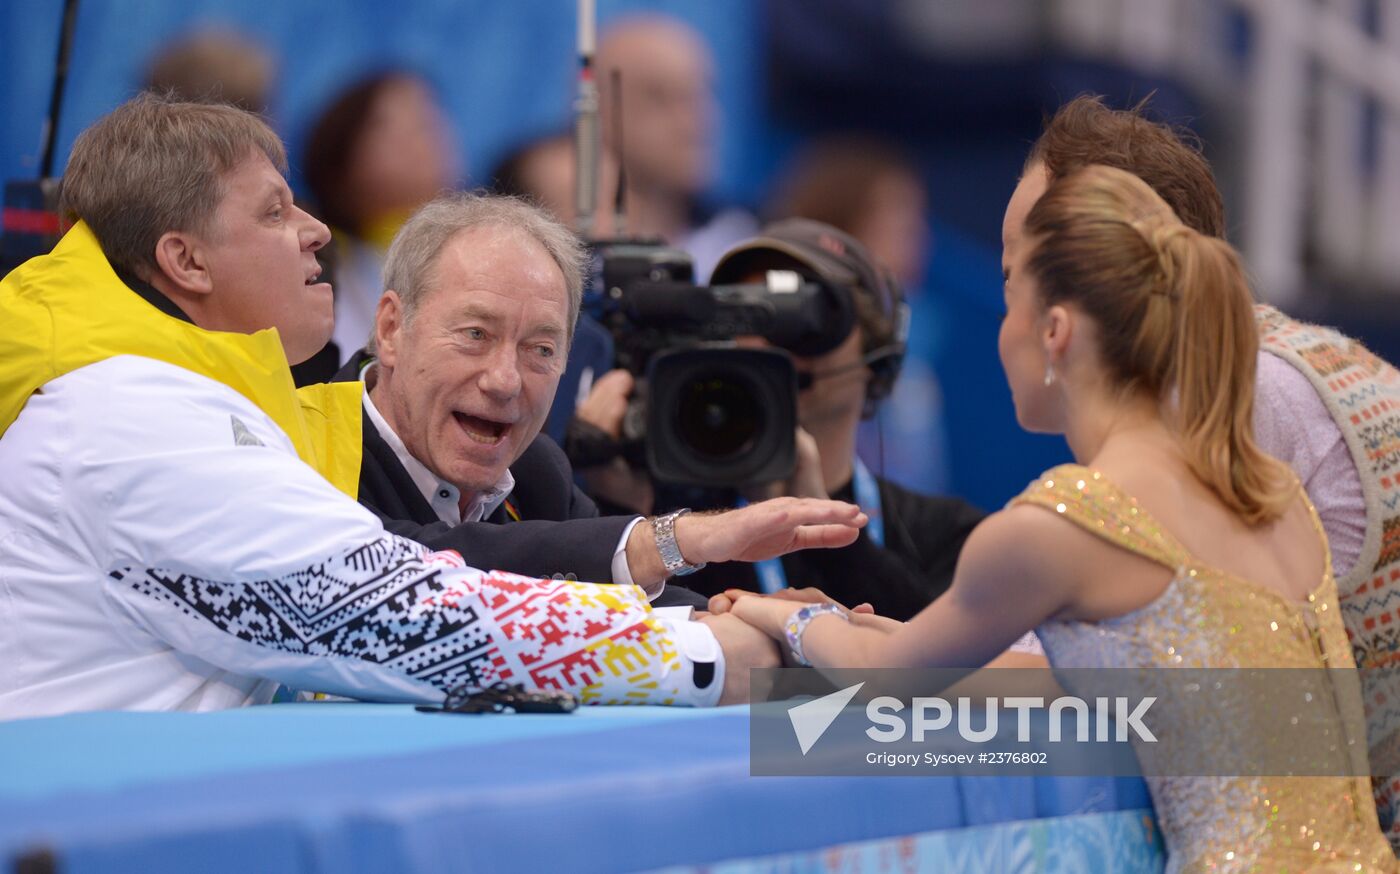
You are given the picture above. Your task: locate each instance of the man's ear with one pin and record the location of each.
(1057, 328)
(181, 261)
(388, 325)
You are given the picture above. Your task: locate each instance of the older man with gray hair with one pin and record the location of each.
(470, 340)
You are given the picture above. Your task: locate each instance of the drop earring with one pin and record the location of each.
(1049, 374)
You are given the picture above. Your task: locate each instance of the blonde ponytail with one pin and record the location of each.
(1175, 321)
(1215, 357)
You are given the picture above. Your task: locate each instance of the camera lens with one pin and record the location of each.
(720, 416)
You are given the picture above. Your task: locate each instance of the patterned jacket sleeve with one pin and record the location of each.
(216, 539)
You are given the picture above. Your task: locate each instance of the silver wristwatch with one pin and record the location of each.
(664, 528)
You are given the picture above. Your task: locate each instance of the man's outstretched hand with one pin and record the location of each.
(768, 530)
(753, 533)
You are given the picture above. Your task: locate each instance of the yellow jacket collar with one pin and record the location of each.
(68, 309)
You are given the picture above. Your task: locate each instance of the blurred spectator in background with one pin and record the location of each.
(866, 187)
(870, 189)
(667, 142)
(382, 149)
(543, 170)
(214, 66)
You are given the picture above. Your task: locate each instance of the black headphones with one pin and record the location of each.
(885, 357)
(885, 362)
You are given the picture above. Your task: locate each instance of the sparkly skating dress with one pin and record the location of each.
(1209, 619)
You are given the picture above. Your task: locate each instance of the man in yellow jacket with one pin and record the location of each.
(177, 529)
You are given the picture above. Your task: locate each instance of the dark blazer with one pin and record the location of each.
(560, 532)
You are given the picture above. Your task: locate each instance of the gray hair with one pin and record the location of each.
(409, 268)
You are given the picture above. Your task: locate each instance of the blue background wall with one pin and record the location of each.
(504, 70)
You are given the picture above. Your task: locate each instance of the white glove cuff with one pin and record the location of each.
(699, 680)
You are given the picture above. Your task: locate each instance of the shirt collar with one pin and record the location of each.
(443, 496)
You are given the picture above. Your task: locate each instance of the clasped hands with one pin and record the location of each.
(749, 628)
(770, 613)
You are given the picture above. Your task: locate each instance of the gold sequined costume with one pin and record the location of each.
(1207, 618)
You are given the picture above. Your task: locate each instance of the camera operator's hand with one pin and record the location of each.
(606, 404)
(614, 481)
(753, 533)
(806, 480)
(621, 485)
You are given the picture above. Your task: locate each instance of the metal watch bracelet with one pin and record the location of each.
(664, 528)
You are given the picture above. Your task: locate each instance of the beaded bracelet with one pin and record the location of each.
(798, 622)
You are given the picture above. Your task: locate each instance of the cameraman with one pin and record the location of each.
(906, 555)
